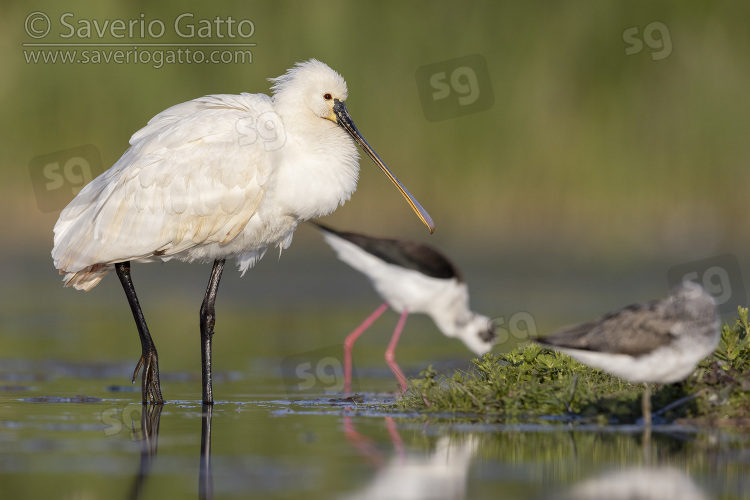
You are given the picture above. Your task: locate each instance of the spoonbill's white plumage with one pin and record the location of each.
(412, 278)
(217, 177)
(660, 341)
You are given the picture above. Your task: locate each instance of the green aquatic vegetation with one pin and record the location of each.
(723, 379)
(532, 382)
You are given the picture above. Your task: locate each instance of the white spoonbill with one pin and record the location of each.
(220, 176)
(654, 342)
(412, 278)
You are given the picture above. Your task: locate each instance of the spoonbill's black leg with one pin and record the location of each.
(150, 389)
(208, 320)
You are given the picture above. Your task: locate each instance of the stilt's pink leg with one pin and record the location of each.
(390, 353)
(349, 344)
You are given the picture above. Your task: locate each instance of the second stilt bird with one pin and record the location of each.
(660, 341)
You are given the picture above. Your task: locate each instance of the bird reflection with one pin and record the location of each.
(439, 474)
(149, 437)
(367, 447)
(150, 416)
(206, 481)
(637, 483)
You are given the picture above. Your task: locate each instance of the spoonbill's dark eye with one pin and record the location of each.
(327, 97)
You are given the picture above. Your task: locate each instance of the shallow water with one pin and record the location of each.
(72, 426)
(273, 447)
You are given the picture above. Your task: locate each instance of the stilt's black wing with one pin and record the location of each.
(404, 253)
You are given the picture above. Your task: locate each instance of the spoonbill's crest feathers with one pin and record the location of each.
(306, 83)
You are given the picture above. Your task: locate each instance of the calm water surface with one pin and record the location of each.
(72, 426)
(270, 446)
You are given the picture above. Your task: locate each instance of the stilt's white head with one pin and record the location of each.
(478, 333)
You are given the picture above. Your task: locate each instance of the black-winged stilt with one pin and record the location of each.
(654, 342)
(412, 278)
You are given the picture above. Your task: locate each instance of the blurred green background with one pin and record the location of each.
(595, 157)
(585, 148)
